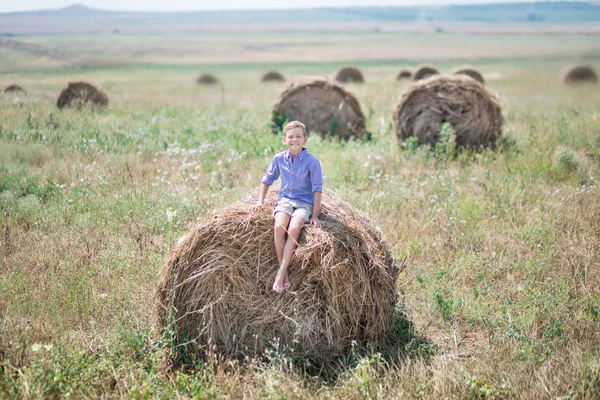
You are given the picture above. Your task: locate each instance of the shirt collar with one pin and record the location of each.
(300, 155)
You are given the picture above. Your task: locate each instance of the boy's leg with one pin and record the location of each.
(282, 221)
(281, 279)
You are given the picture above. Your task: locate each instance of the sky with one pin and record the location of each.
(183, 5)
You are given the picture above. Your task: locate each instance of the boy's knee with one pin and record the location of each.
(279, 229)
(295, 230)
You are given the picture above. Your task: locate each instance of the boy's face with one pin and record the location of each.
(295, 139)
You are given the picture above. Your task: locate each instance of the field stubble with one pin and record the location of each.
(101, 50)
(501, 293)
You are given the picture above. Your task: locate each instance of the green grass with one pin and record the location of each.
(500, 298)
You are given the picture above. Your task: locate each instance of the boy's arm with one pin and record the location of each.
(271, 175)
(264, 188)
(316, 181)
(316, 209)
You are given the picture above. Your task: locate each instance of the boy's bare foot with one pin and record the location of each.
(281, 282)
(286, 281)
(276, 288)
(278, 283)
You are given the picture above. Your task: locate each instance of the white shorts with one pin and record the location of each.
(294, 208)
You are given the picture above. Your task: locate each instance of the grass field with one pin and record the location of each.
(62, 52)
(502, 289)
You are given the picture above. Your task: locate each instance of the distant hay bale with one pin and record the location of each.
(469, 71)
(272, 76)
(323, 106)
(424, 71)
(207, 79)
(579, 74)
(215, 289)
(349, 75)
(473, 112)
(79, 94)
(15, 89)
(404, 74)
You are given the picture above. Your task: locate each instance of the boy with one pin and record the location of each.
(299, 198)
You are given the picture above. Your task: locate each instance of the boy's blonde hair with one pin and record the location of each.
(294, 124)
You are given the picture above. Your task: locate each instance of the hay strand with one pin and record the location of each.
(472, 110)
(80, 94)
(216, 285)
(323, 106)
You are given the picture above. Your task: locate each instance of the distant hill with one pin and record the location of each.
(73, 11)
(79, 18)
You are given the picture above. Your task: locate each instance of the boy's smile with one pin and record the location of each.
(295, 140)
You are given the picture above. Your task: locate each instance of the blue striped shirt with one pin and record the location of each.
(299, 179)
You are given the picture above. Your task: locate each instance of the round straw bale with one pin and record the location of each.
(323, 106)
(579, 74)
(404, 74)
(207, 79)
(469, 71)
(16, 89)
(471, 109)
(78, 94)
(423, 71)
(216, 287)
(272, 76)
(349, 75)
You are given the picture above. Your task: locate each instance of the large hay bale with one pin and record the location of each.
(469, 71)
(424, 71)
(472, 110)
(323, 106)
(216, 287)
(272, 76)
(404, 74)
(349, 75)
(15, 89)
(79, 94)
(207, 79)
(579, 74)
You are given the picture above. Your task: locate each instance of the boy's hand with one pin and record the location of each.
(316, 222)
(256, 207)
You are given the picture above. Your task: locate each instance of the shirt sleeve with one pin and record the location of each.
(272, 173)
(316, 176)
